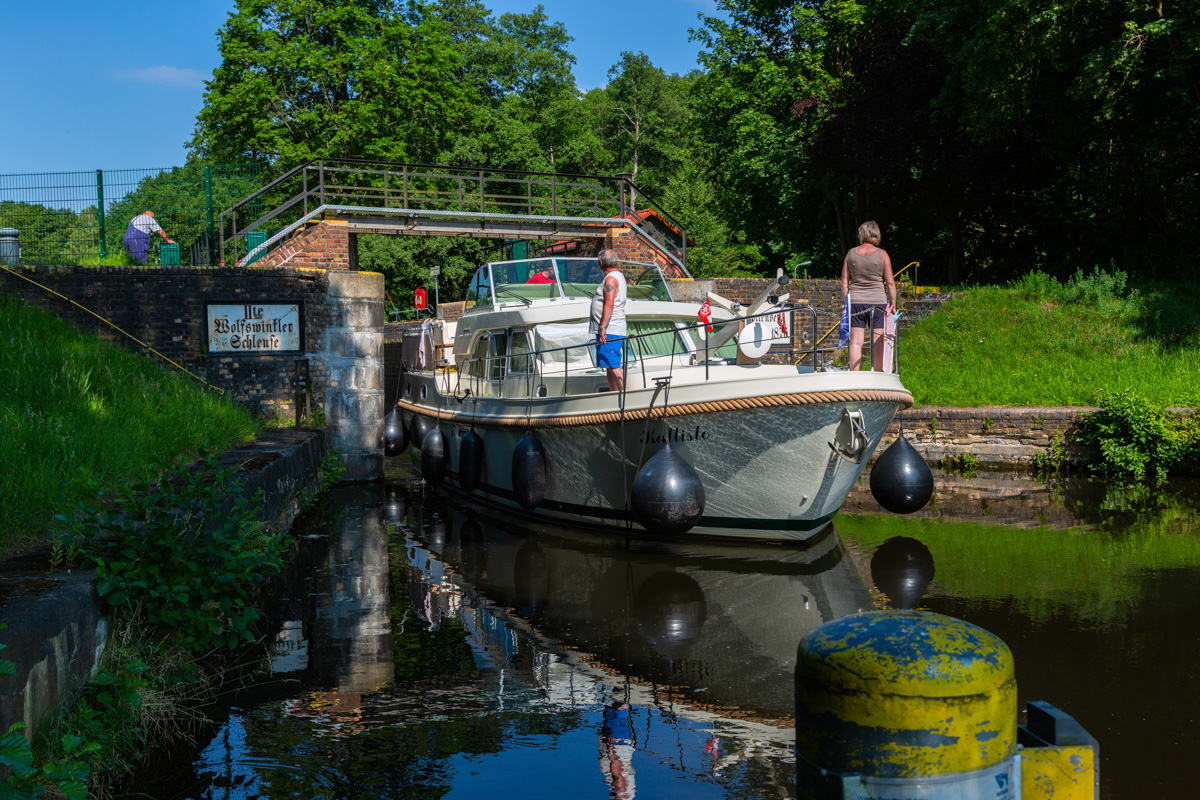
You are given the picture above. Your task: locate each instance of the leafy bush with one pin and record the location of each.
(1136, 438)
(175, 555)
(1097, 289)
(1037, 285)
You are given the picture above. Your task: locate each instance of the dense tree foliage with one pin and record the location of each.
(988, 137)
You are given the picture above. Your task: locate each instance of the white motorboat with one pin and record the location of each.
(777, 447)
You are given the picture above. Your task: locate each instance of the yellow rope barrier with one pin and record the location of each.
(114, 327)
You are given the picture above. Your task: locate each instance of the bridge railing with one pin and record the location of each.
(470, 191)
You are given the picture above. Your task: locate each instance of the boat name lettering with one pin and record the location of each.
(674, 434)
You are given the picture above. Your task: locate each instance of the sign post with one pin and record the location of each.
(435, 271)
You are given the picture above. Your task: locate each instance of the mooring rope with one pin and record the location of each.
(114, 327)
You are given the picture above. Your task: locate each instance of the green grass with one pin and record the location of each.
(80, 415)
(996, 346)
(1095, 575)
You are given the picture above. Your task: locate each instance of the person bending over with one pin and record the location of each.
(137, 236)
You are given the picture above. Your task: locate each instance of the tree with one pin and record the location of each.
(645, 116)
(305, 78)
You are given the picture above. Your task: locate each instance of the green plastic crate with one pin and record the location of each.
(253, 240)
(168, 254)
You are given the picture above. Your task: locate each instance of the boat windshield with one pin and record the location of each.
(581, 277)
(541, 278)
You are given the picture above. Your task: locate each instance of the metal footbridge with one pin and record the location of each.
(424, 200)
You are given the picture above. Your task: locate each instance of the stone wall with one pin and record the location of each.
(1000, 436)
(164, 307)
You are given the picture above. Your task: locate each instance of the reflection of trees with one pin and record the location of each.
(1170, 508)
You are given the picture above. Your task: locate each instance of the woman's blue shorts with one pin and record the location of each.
(608, 355)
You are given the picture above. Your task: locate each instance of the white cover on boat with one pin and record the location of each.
(566, 334)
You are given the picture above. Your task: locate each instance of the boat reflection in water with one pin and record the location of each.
(432, 647)
(713, 626)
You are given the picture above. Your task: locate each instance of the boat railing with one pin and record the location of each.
(473, 374)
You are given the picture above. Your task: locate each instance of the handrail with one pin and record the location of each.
(611, 222)
(555, 181)
(906, 266)
(537, 352)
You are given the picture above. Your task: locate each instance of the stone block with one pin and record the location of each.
(359, 285)
(348, 343)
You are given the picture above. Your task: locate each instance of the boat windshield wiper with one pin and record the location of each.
(522, 298)
(585, 290)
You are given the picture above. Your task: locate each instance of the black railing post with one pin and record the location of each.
(321, 179)
(481, 205)
(553, 197)
(304, 187)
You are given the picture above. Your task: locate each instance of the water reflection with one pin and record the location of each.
(428, 648)
(902, 568)
(421, 647)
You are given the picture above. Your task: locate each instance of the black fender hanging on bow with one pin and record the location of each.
(668, 495)
(529, 472)
(901, 481)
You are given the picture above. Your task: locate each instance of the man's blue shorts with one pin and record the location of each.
(608, 355)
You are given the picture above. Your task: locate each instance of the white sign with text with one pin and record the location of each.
(254, 328)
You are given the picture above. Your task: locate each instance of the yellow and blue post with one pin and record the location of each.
(912, 705)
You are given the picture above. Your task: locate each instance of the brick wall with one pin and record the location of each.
(327, 244)
(630, 247)
(164, 307)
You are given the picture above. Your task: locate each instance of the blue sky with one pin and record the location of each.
(118, 84)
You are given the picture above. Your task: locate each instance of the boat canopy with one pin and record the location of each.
(527, 280)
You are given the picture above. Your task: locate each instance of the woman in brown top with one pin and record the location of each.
(867, 276)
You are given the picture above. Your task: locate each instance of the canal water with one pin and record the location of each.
(424, 647)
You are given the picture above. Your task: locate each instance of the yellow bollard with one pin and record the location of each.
(910, 705)
(905, 704)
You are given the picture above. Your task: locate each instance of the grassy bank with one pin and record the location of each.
(80, 415)
(1044, 343)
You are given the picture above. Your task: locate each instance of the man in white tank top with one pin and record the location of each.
(608, 320)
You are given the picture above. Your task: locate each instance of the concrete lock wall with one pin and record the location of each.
(342, 336)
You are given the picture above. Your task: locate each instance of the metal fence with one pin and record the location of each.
(73, 218)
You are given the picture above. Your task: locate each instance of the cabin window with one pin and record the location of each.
(497, 355)
(521, 361)
(479, 351)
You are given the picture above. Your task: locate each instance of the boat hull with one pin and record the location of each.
(768, 472)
